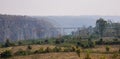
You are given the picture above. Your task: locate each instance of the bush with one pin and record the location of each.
(6, 54)
(56, 49)
(73, 49)
(41, 50)
(91, 44)
(78, 44)
(57, 41)
(115, 40)
(47, 50)
(20, 43)
(78, 52)
(103, 57)
(119, 50)
(46, 41)
(87, 56)
(107, 48)
(7, 43)
(68, 50)
(115, 55)
(22, 53)
(29, 47)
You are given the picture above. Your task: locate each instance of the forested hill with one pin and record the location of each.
(25, 27)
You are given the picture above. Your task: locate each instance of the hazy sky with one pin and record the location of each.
(60, 7)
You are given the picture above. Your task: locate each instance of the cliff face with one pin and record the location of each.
(25, 27)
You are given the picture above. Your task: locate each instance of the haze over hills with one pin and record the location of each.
(79, 21)
(15, 27)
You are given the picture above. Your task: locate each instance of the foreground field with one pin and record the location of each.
(63, 55)
(97, 52)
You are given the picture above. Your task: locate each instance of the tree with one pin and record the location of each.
(116, 27)
(100, 26)
(7, 43)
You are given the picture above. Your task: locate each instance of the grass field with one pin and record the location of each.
(96, 53)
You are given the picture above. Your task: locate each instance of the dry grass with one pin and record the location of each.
(101, 48)
(63, 55)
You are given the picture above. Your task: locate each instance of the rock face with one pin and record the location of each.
(24, 27)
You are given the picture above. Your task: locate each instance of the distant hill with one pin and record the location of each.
(16, 27)
(25, 27)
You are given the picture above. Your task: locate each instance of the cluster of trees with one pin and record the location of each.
(28, 51)
(103, 28)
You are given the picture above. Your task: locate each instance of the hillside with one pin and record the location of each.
(25, 27)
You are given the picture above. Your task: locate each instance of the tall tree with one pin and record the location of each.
(116, 27)
(101, 25)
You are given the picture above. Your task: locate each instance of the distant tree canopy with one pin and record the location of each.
(117, 29)
(101, 25)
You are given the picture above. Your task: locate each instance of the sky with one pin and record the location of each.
(60, 7)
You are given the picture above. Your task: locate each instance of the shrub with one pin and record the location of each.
(73, 49)
(6, 54)
(91, 44)
(47, 50)
(22, 53)
(115, 55)
(46, 41)
(107, 48)
(56, 49)
(102, 57)
(100, 42)
(41, 50)
(87, 56)
(78, 52)
(57, 41)
(29, 47)
(78, 44)
(115, 40)
(7, 43)
(20, 43)
(68, 50)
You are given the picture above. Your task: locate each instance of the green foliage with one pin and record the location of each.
(20, 43)
(78, 52)
(29, 47)
(47, 50)
(88, 44)
(68, 49)
(57, 41)
(22, 53)
(87, 56)
(107, 48)
(115, 40)
(57, 49)
(115, 55)
(46, 41)
(41, 50)
(6, 54)
(7, 43)
(101, 25)
(102, 57)
(73, 49)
